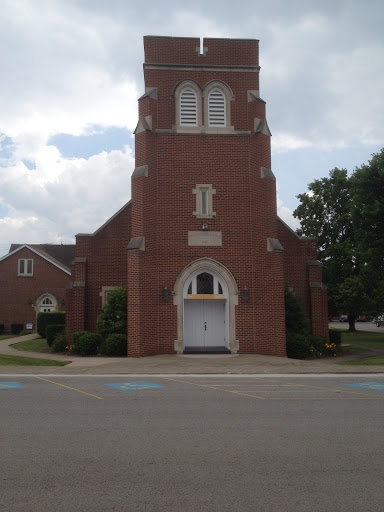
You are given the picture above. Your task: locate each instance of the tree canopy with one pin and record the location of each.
(346, 215)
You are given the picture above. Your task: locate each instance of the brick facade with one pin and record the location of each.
(147, 245)
(22, 295)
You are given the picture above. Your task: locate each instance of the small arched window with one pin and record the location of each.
(216, 108)
(188, 107)
(46, 303)
(205, 283)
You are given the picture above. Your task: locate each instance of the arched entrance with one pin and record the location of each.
(205, 297)
(206, 294)
(45, 303)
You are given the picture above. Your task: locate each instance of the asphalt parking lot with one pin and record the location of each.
(192, 443)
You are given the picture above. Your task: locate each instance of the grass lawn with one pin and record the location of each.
(38, 345)
(6, 360)
(362, 341)
(7, 336)
(363, 338)
(353, 350)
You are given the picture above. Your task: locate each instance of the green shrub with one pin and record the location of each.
(335, 336)
(60, 342)
(298, 346)
(321, 346)
(113, 317)
(86, 343)
(51, 331)
(115, 345)
(318, 345)
(25, 331)
(297, 327)
(16, 328)
(2, 328)
(49, 318)
(296, 320)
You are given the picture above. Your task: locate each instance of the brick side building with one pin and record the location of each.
(200, 247)
(33, 278)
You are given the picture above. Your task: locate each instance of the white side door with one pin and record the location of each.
(194, 323)
(214, 323)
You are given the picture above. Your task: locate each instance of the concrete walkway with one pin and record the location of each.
(173, 364)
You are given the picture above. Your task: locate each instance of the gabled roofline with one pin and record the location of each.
(107, 222)
(42, 254)
(294, 232)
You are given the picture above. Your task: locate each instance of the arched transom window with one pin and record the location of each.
(188, 107)
(47, 303)
(216, 108)
(205, 283)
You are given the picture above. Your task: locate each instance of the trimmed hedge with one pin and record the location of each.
(115, 345)
(298, 345)
(49, 318)
(51, 331)
(2, 327)
(60, 343)
(16, 328)
(86, 343)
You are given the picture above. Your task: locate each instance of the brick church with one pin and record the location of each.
(200, 246)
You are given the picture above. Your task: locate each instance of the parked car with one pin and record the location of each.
(364, 318)
(380, 321)
(343, 318)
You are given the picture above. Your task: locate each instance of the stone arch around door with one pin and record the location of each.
(46, 302)
(221, 277)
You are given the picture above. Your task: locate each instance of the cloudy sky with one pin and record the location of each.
(71, 73)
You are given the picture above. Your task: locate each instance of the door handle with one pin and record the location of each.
(205, 326)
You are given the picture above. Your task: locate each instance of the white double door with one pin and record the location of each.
(205, 323)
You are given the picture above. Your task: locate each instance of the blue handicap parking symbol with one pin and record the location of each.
(377, 386)
(131, 386)
(10, 385)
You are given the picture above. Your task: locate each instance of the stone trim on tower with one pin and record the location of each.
(144, 125)
(261, 126)
(267, 173)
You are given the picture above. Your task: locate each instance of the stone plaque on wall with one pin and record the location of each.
(205, 238)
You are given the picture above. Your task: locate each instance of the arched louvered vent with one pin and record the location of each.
(188, 107)
(216, 108)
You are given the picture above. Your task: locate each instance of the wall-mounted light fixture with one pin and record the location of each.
(245, 294)
(205, 227)
(165, 292)
(62, 303)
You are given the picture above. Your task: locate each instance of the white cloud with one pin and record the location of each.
(285, 213)
(62, 197)
(57, 72)
(282, 142)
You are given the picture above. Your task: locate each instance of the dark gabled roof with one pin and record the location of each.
(59, 253)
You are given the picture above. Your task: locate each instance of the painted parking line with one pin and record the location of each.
(68, 387)
(377, 386)
(10, 385)
(263, 391)
(132, 386)
(207, 386)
